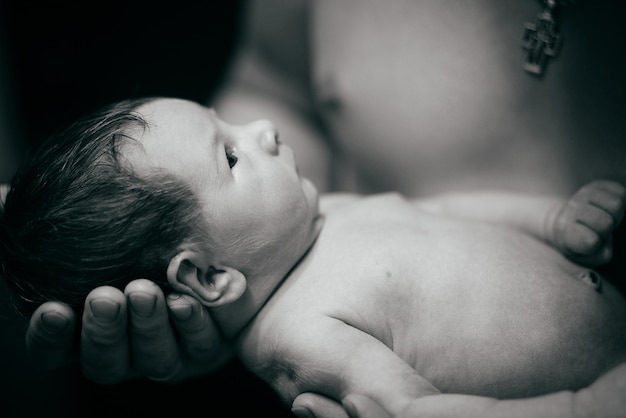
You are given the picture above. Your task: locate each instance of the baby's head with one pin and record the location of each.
(159, 189)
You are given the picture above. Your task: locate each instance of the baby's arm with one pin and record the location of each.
(331, 358)
(581, 227)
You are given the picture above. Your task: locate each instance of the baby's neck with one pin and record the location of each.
(261, 284)
(233, 317)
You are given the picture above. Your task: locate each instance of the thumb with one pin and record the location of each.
(359, 406)
(50, 335)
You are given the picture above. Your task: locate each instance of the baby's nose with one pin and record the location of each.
(268, 136)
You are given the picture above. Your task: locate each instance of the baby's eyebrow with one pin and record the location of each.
(213, 117)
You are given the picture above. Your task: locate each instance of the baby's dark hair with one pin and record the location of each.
(77, 216)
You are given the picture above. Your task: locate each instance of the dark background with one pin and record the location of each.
(67, 58)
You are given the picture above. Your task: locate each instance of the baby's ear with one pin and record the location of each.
(188, 273)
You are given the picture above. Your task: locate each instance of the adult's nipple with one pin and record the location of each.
(327, 94)
(593, 279)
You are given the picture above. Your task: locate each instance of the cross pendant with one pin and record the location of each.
(541, 41)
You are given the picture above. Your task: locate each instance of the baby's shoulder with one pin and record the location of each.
(333, 201)
(284, 352)
(349, 210)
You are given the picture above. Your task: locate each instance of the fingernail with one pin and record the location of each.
(142, 303)
(104, 309)
(54, 321)
(174, 296)
(182, 312)
(302, 412)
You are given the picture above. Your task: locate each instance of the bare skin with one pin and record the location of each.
(597, 401)
(107, 346)
(474, 304)
(430, 97)
(385, 296)
(557, 154)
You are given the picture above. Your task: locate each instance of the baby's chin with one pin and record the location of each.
(311, 193)
(317, 218)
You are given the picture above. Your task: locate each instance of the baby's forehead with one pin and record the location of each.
(179, 138)
(178, 120)
(174, 110)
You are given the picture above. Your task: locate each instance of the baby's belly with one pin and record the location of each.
(501, 314)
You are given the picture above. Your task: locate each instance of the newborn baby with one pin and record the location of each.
(477, 293)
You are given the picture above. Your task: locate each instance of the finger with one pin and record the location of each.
(50, 335)
(200, 338)
(359, 406)
(154, 347)
(601, 256)
(612, 187)
(104, 350)
(314, 405)
(4, 190)
(580, 239)
(611, 202)
(597, 219)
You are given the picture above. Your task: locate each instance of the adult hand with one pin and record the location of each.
(310, 405)
(313, 405)
(432, 406)
(604, 398)
(128, 334)
(360, 406)
(4, 189)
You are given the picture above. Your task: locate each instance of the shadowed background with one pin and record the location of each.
(60, 60)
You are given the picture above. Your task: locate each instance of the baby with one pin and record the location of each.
(379, 295)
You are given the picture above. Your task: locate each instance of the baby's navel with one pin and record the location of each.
(592, 279)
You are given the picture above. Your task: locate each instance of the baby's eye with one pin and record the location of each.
(230, 157)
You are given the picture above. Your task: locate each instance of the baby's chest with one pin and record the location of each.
(385, 245)
(370, 268)
(407, 274)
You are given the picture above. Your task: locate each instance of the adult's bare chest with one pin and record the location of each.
(433, 94)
